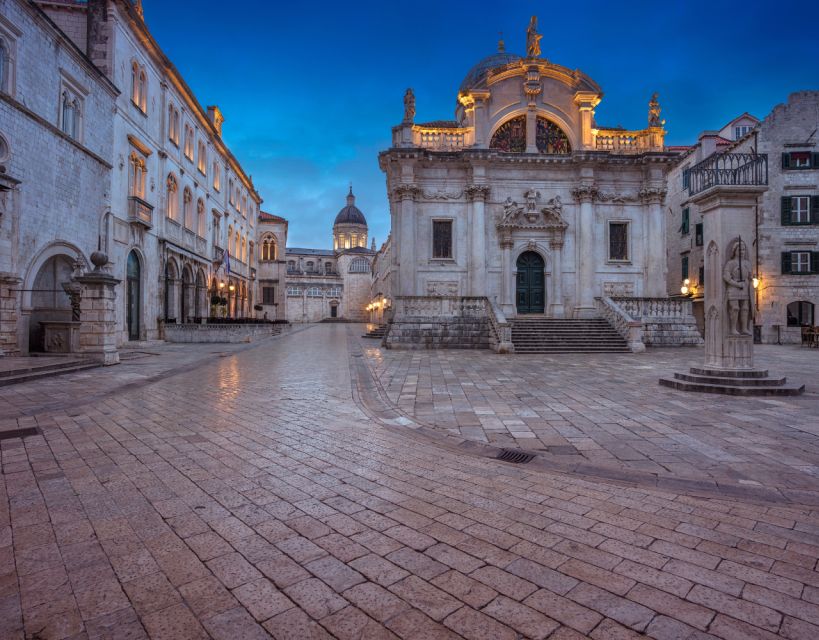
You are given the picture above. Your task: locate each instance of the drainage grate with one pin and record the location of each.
(515, 456)
(18, 433)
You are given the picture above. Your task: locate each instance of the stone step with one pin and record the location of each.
(586, 349)
(734, 390)
(50, 366)
(45, 373)
(558, 335)
(738, 373)
(731, 381)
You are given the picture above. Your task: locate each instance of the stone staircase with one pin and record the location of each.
(538, 334)
(27, 369)
(753, 382)
(376, 331)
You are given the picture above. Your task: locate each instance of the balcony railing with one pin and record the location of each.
(218, 253)
(140, 212)
(626, 142)
(728, 169)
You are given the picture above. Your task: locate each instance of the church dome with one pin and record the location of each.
(350, 214)
(477, 72)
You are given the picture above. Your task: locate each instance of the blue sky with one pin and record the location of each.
(310, 90)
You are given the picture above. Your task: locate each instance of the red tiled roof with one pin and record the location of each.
(269, 217)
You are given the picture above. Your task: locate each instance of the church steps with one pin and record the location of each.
(557, 335)
(38, 372)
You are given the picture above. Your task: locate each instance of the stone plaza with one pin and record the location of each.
(236, 491)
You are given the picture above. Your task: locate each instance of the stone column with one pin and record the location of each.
(655, 265)
(531, 129)
(728, 215)
(507, 276)
(585, 195)
(586, 102)
(98, 331)
(477, 194)
(9, 310)
(556, 305)
(407, 267)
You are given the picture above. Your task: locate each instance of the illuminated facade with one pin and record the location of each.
(523, 198)
(332, 284)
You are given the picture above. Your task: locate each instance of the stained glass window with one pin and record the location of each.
(511, 137)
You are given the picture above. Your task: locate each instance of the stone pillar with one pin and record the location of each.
(586, 102)
(584, 305)
(556, 309)
(507, 276)
(407, 267)
(655, 265)
(728, 214)
(531, 129)
(9, 310)
(98, 332)
(477, 195)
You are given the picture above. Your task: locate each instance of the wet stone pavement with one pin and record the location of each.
(274, 492)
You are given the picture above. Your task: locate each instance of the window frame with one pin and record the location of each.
(451, 223)
(172, 187)
(685, 266)
(685, 224)
(8, 75)
(202, 158)
(137, 174)
(609, 258)
(699, 234)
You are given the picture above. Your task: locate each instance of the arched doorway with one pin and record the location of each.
(48, 299)
(531, 292)
(133, 275)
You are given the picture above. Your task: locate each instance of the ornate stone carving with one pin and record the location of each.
(652, 194)
(736, 277)
(617, 198)
(585, 192)
(530, 216)
(618, 289)
(533, 39)
(654, 112)
(409, 106)
(477, 192)
(406, 192)
(442, 195)
(442, 288)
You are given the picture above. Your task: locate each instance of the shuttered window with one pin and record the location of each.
(442, 239)
(800, 262)
(800, 209)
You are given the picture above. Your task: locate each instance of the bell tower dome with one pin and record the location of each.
(350, 227)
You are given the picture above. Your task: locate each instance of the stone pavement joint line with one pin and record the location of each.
(252, 497)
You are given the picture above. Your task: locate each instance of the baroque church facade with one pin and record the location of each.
(332, 284)
(523, 198)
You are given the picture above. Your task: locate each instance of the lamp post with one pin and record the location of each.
(231, 288)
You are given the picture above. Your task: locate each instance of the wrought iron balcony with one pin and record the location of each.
(728, 169)
(140, 212)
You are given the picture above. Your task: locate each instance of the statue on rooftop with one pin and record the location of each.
(409, 106)
(654, 112)
(533, 39)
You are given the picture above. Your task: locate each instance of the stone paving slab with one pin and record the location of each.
(608, 412)
(252, 496)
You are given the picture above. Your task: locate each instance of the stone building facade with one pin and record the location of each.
(56, 151)
(523, 199)
(271, 240)
(162, 196)
(381, 293)
(784, 254)
(329, 284)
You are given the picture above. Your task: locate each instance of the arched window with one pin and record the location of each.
(511, 137)
(201, 225)
(135, 82)
(188, 142)
(360, 265)
(5, 71)
(243, 209)
(137, 175)
(353, 239)
(202, 159)
(173, 198)
(187, 204)
(244, 249)
(143, 90)
(231, 194)
(237, 245)
(230, 241)
(173, 124)
(217, 176)
(268, 249)
(139, 86)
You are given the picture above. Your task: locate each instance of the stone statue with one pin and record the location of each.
(738, 291)
(533, 39)
(510, 209)
(654, 112)
(409, 106)
(531, 196)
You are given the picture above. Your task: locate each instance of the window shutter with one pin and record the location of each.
(786, 210)
(814, 209)
(786, 262)
(815, 161)
(786, 160)
(814, 261)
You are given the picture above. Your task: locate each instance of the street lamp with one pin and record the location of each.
(684, 288)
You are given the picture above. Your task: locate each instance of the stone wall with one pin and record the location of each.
(224, 333)
(438, 333)
(671, 332)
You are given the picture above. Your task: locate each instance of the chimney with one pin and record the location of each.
(708, 144)
(98, 35)
(216, 118)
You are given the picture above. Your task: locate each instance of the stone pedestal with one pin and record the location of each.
(9, 313)
(61, 336)
(98, 332)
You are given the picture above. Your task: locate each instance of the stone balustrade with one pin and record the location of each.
(500, 331)
(438, 322)
(665, 322)
(627, 142)
(630, 329)
(217, 333)
(440, 139)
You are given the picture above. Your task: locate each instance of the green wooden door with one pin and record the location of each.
(531, 294)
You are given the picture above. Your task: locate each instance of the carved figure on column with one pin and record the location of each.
(409, 106)
(533, 39)
(736, 276)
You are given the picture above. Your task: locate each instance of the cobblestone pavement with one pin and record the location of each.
(267, 493)
(608, 410)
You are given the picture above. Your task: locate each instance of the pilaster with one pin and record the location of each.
(585, 194)
(9, 313)
(98, 332)
(476, 195)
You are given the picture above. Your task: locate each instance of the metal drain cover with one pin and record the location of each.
(515, 456)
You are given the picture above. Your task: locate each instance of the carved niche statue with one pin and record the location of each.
(533, 39)
(409, 106)
(654, 112)
(736, 276)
